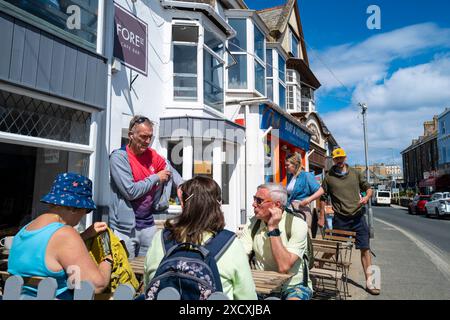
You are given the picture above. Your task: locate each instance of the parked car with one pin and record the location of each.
(417, 206)
(439, 205)
(382, 197)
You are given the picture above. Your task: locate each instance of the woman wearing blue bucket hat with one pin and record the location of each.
(49, 246)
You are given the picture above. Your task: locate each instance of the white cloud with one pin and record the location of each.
(370, 59)
(391, 129)
(398, 104)
(414, 87)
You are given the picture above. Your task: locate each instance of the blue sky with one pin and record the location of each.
(402, 71)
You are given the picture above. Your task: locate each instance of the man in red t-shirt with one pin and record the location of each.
(137, 171)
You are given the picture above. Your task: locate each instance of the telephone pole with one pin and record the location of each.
(369, 203)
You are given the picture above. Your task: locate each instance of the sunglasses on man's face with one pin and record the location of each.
(259, 201)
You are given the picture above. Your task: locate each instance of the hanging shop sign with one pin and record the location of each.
(130, 40)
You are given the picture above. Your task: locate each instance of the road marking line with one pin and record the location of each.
(428, 248)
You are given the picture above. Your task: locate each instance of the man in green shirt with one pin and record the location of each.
(344, 185)
(279, 242)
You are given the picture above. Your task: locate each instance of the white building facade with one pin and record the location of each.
(183, 93)
(53, 97)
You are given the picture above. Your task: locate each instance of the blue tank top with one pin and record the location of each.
(27, 258)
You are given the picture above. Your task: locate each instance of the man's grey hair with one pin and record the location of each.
(277, 192)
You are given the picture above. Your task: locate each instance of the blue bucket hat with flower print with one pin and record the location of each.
(71, 190)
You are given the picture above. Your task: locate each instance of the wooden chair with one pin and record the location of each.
(326, 273)
(347, 240)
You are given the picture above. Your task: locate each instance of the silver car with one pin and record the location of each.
(439, 205)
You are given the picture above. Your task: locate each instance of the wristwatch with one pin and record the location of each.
(108, 260)
(274, 233)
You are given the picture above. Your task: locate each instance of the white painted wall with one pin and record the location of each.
(254, 154)
(152, 96)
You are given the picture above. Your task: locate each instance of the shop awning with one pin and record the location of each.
(204, 128)
(285, 128)
(430, 182)
(443, 182)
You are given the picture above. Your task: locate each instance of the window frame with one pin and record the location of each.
(291, 43)
(270, 64)
(235, 51)
(186, 44)
(257, 59)
(42, 24)
(282, 82)
(221, 61)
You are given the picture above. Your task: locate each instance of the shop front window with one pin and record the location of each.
(203, 158)
(268, 161)
(41, 119)
(30, 172)
(63, 15)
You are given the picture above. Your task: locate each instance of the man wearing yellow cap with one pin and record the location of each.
(344, 185)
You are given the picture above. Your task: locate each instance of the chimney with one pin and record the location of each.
(430, 127)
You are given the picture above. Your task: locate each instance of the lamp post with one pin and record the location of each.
(369, 203)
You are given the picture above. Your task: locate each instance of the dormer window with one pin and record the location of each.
(294, 44)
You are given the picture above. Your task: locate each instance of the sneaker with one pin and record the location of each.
(373, 291)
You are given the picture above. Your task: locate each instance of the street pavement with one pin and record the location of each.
(413, 253)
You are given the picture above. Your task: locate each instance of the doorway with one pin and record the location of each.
(17, 172)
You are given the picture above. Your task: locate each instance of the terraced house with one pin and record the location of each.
(223, 84)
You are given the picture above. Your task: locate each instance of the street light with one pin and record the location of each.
(369, 203)
(394, 167)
